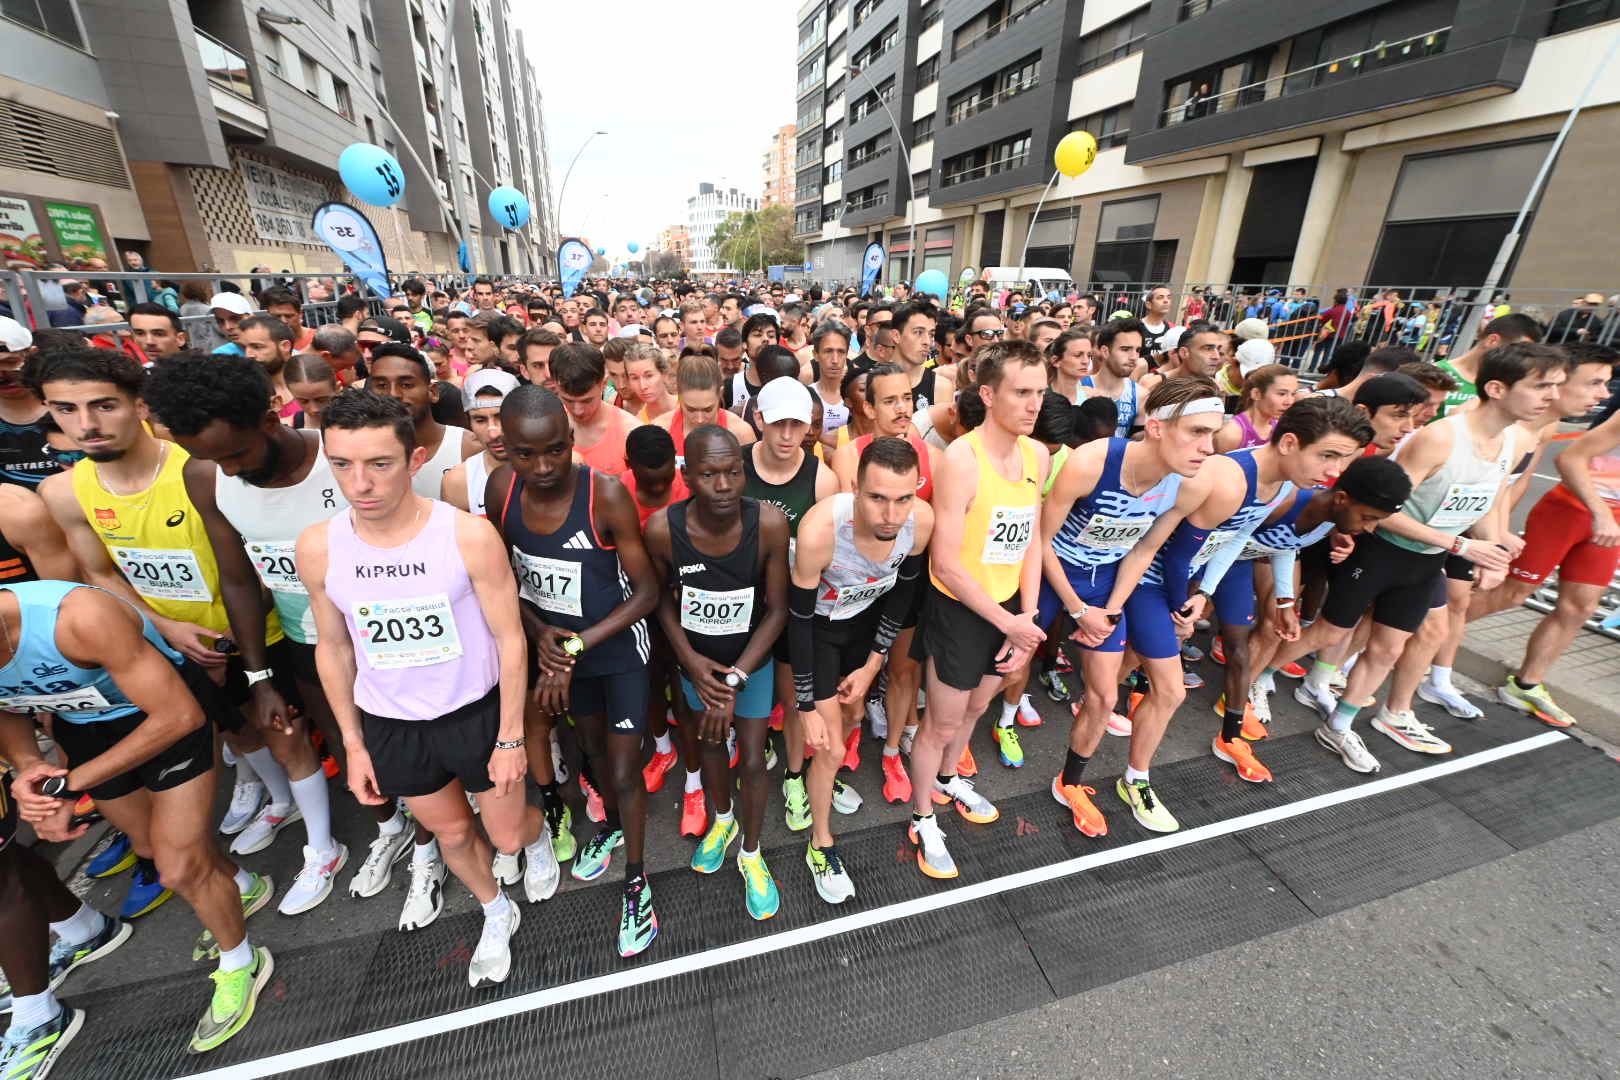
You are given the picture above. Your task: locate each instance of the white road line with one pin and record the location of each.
(622, 980)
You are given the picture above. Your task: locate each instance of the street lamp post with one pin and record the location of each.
(563, 191)
(905, 157)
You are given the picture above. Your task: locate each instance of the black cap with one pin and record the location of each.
(382, 324)
(1391, 389)
(1378, 482)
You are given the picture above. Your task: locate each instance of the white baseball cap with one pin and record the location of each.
(474, 391)
(234, 303)
(1252, 330)
(14, 336)
(1254, 355)
(785, 399)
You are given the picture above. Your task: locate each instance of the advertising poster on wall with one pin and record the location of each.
(21, 245)
(78, 236)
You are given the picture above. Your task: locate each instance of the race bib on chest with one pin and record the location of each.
(854, 599)
(273, 559)
(164, 573)
(1011, 528)
(716, 614)
(407, 633)
(1113, 533)
(1464, 504)
(83, 699)
(1212, 544)
(549, 584)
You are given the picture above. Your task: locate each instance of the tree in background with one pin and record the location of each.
(665, 264)
(737, 240)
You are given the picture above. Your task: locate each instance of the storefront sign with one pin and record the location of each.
(78, 236)
(282, 204)
(21, 245)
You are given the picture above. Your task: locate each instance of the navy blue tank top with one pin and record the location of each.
(721, 598)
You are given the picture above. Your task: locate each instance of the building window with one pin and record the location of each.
(878, 46)
(863, 8)
(1124, 241)
(922, 130)
(1116, 41)
(354, 47)
(310, 72)
(52, 17)
(832, 133)
(1000, 156)
(987, 93)
(1583, 13)
(832, 173)
(990, 22)
(829, 213)
(340, 92)
(272, 53)
(929, 15)
(928, 72)
(919, 183)
(1110, 127)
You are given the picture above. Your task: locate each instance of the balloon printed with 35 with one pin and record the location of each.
(371, 174)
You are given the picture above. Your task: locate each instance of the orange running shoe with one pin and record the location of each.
(593, 802)
(852, 751)
(1217, 650)
(896, 782)
(966, 766)
(1239, 755)
(694, 814)
(1293, 670)
(778, 718)
(1136, 699)
(1077, 797)
(1253, 729)
(652, 774)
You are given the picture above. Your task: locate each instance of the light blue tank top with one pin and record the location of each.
(1124, 406)
(40, 678)
(1104, 525)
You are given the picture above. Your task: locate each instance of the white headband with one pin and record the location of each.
(1192, 408)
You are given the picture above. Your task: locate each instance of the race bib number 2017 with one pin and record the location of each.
(549, 584)
(407, 633)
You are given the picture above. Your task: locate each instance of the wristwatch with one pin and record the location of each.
(254, 678)
(736, 679)
(55, 787)
(574, 646)
(1078, 615)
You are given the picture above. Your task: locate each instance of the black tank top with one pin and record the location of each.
(923, 393)
(573, 579)
(721, 598)
(14, 565)
(794, 498)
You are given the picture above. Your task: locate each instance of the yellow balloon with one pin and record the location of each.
(1075, 152)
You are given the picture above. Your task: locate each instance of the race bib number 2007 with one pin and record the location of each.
(716, 614)
(407, 633)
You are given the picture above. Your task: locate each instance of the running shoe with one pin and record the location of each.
(1238, 755)
(541, 874)
(906, 738)
(1062, 664)
(1136, 699)
(235, 994)
(845, 799)
(1253, 729)
(965, 765)
(710, 854)
(1317, 699)
(1077, 797)
(1119, 724)
(1260, 702)
(896, 782)
(932, 857)
(969, 803)
(777, 720)
(262, 831)
(694, 813)
(314, 881)
(1191, 653)
(594, 857)
(1027, 714)
(877, 715)
(1450, 699)
(260, 888)
(1536, 701)
(1293, 670)
(638, 922)
(1217, 650)
(852, 751)
(559, 764)
(795, 803)
(492, 959)
(424, 897)
(115, 858)
(1407, 730)
(1192, 680)
(378, 868)
(146, 891)
(1348, 745)
(245, 802)
(65, 958)
(594, 811)
(827, 871)
(30, 1055)
(1012, 752)
(770, 758)
(508, 869)
(652, 774)
(733, 754)
(560, 826)
(1340, 678)
(759, 887)
(1145, 806)
(1056, 689)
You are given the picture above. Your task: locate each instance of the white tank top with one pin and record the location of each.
(269, 521)
(477, 480)
(428, 481)
(851, 582)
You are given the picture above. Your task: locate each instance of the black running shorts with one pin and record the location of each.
(962, 646)
(189, 757)
(842, 647)
(1398, 585)
(420, 757)
(622, 699)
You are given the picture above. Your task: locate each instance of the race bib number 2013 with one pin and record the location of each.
(407, 633)
(164, 573)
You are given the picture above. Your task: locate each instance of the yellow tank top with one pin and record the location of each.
(1000, 522)
(158, 542)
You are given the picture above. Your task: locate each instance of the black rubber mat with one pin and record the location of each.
(1533, 798)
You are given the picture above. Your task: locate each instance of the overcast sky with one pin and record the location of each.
(686, 93)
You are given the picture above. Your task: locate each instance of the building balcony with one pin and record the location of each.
(995, 30)
(230, 86)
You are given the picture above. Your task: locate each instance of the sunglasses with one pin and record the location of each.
(992, 334)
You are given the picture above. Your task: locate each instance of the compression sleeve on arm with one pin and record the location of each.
(1225, 556)
(897, 605)
(1176, 557)
(1282, 573)
(802, 645)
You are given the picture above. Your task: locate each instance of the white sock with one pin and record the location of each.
(79, 927)
(891, 751)
(498, 907)
(244, 769)
(243, 879)
(741, 854)
(426, 853)
(394, 825)
(314, 801)
(238, 958)
(1133, 776)
(694, 780)
(1440, 676)
(663, 745)
(28, 1011)
(273, 776)
(721, 816)
(1009, 709)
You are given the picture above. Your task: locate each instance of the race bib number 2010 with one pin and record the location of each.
(407, 633)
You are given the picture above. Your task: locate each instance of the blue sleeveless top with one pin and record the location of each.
(1281, 536)
(1125, 405)
(1248, 517)
(1104, 525)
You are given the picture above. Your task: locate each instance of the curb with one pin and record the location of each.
(1599, 721)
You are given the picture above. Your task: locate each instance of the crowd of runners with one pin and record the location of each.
(499, 563)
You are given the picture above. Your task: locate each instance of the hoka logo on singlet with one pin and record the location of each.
(693, 568)
(107, 519)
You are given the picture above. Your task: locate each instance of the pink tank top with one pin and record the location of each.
(1251, 437)
(422, 648)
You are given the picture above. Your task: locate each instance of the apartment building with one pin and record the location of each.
(204, 134)
(705, 210)
(778, 167)
(1239, 140)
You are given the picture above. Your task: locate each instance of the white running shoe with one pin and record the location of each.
(1027, 712)
(906, 738)
(540, 872)
(492, 959)
(1412, 733)
(845, 799)
(264, 828)
(1119, 724)
(1449, 698)
(378, 869)
(878, 716)
(559, 767)
(969, 803)
(1348, 745)
(246, 799)
(314, 882)
(933, 859)
(1260, 701)
(506, 868)
(1318, 699)
(424, 900)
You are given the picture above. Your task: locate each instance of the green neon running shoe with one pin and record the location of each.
(1145, 806)
(762, 895)
(257, 896)
(1535, 701)
(797, 803)
(563, 844)
(711, 852)
(1012, 750)
(29, 1055)
(235, 994)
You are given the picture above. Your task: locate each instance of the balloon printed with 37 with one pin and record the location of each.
(371, 174)
(509, 206)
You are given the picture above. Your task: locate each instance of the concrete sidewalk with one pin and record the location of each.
(1585, 680)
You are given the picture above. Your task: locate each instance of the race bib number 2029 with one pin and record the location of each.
(1011, 529)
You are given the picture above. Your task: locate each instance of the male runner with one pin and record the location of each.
(534, 351)
(855, 574)
(400, 372)
(1117, 352)
(830, 348)
(129, 715)
(156, 330)
(913, 325)
(724, 557)
(978, 621)
(25, 457)
(421, 656)
(586, 587)
(482, 395)
(599, 428)
(1200, 352)
(1502, 330)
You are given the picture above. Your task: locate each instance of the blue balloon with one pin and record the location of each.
(933, 282)
(633, 246)
(371, 174)
(509, 206)
(601, 251)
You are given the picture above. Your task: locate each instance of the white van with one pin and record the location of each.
(1036, 281)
